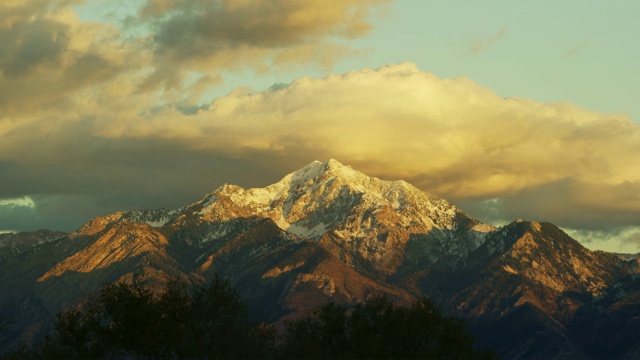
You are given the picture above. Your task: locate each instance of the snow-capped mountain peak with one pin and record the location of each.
(316, 170)
(332, 203)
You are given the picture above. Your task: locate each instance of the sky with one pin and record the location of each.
(506, 109)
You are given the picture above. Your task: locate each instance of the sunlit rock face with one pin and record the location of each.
(538, 264)
(327, 232)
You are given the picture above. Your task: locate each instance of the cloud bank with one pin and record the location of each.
(449, 136)
(452, 137)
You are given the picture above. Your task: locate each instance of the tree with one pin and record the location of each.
(214, 323)
(321, 334)
(127, 320)
(211, 321)
(380, 329)
(120, 320)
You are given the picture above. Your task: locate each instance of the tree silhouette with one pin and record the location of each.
(127, 320)
(321, 334)
(380, 329)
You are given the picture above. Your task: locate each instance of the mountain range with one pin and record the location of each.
(327, 232)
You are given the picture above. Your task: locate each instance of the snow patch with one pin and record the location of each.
(483, 228)
(208, 204)
(217, 234)
(313, 233)
(158, 223)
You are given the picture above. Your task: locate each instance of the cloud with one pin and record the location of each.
(53, 63)
(263, 35)
(449, 136)
(35, 212)
(499, 158)
(200, 29)
(28, 45)
(624, 239)
(24, 201)
(478, 45)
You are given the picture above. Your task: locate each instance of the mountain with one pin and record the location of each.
(327, 232)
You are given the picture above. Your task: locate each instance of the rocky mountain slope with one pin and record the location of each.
(328, 232)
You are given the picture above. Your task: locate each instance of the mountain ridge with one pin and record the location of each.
(327, 232)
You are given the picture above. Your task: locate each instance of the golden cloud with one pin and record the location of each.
(53, 63)
(450, 136)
